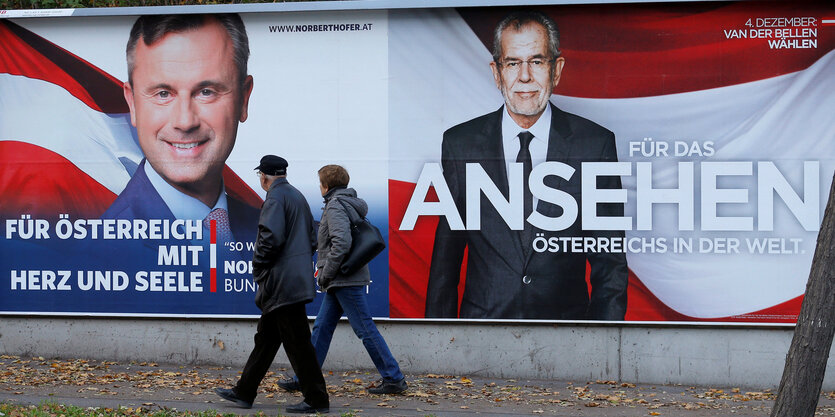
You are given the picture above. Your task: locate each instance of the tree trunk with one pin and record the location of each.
(803, 374)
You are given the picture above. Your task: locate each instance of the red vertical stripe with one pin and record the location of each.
(213, 241)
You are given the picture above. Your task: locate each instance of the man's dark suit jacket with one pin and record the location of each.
(496, 259)
(140, 200)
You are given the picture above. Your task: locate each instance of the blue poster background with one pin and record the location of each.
(115, 277)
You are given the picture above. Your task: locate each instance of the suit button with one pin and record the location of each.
(526, 279)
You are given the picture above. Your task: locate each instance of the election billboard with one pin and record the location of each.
(662, 162)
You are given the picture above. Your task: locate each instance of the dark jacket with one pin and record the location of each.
(283, 260)
(335, 239)
(505, 279)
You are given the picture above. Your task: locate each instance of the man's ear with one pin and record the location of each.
(559, 63)
(497, 75)
(127, 90)
(246, 91)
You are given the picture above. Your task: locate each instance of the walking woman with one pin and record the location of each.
(345, 293)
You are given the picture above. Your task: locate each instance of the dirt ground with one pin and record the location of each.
(90, 383)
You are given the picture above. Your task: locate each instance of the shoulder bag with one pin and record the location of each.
(366, 243)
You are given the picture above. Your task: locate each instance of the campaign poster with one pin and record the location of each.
(90, 227)
(614, 162)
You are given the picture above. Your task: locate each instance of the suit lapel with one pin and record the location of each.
(559, 149)
(559, 139)
(148, 204)
(493, 160)
(492, 154)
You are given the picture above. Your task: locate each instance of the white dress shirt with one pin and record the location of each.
(183, 206)
(538, 146)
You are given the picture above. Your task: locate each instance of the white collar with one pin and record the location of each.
(181, 205)
(540, 130)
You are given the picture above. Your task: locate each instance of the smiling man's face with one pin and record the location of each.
(186, 102)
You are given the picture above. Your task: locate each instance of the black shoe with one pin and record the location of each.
(289, 385)
(304, 408)
(388, 387)
(228, 394)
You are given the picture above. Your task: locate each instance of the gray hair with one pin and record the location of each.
(151, 28)
(517, 20)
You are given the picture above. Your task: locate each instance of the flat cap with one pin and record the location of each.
(273, 165)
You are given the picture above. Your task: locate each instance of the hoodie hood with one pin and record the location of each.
(349, 197)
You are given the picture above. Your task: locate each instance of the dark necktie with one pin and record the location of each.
(221, 218)
(524, 157)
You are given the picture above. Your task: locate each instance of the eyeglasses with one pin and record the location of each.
(512, 66)
(259, 174)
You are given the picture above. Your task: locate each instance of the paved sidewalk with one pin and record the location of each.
(154, 386)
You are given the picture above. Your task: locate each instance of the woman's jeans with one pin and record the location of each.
(352, 302)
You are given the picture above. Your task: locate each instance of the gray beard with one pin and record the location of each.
(542, 98)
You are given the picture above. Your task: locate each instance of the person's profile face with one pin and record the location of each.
(264, 181)
(526, 73)
(186, 102)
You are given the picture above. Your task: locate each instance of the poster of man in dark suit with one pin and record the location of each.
(505, 277)
(187, 90)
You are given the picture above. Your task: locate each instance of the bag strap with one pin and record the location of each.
(353, 220)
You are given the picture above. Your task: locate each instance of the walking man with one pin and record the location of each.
(283, 269)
